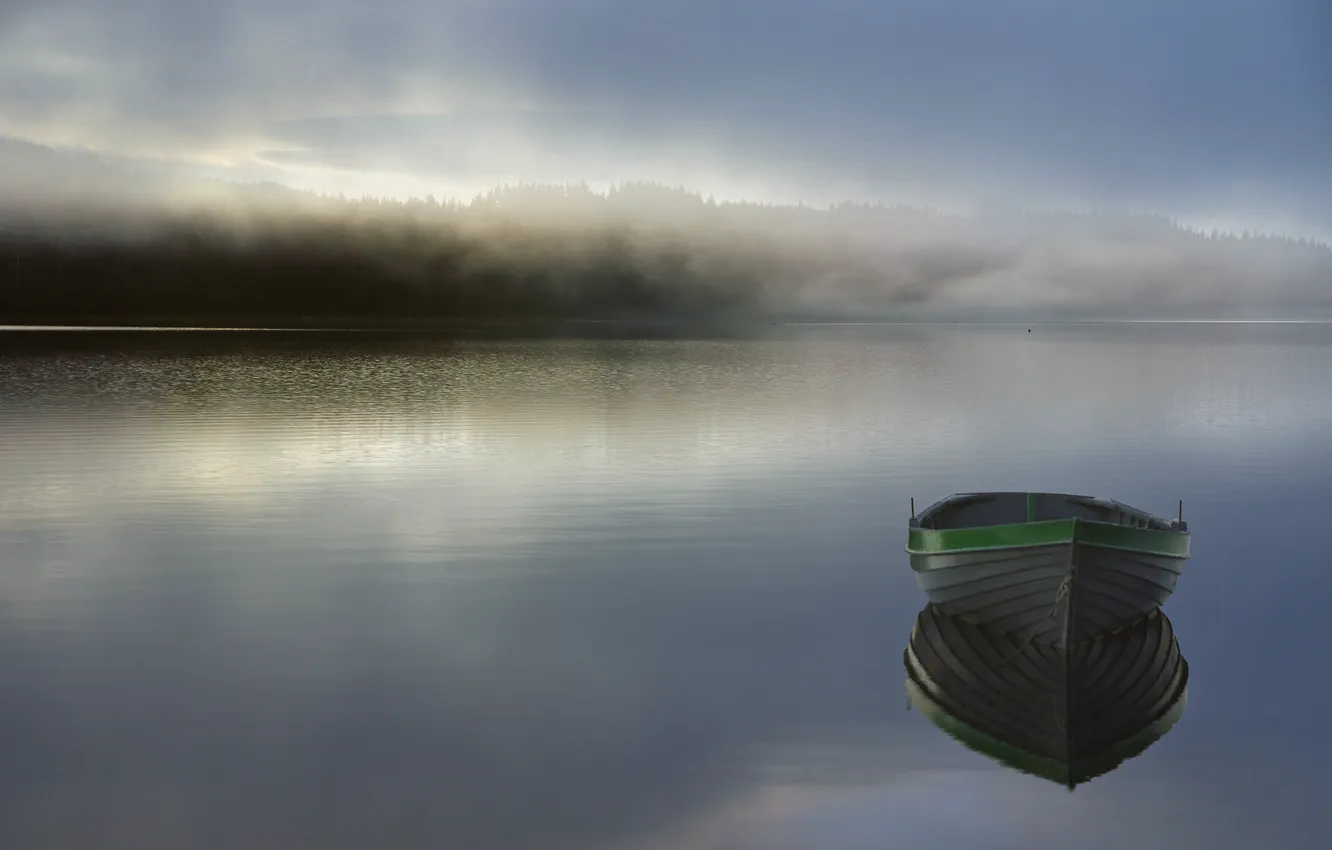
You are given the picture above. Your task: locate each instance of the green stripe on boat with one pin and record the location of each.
(1104, 535)
(924, 541)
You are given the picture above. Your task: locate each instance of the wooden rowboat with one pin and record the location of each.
(1051, 567)
(1066, 715)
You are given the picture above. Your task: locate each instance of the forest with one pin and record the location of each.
(264, 255)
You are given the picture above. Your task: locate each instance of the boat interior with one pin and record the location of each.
(970, 510)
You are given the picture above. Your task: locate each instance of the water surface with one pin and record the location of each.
(290, 591)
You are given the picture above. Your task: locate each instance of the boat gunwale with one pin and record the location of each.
(1088, 501)
(1172, 543)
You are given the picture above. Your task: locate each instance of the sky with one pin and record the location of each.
(1215, 111)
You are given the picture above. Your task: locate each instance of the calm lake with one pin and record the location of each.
(353, 591)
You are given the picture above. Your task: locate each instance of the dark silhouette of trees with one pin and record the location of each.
(367, 260)
(127, 253)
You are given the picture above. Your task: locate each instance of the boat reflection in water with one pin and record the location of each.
(1066, 715)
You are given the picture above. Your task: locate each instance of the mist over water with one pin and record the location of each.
(339, 590)
(86, 243)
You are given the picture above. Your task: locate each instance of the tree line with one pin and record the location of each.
(269, 255)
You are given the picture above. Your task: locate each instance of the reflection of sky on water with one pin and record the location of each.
(520, 420)
(474, 599)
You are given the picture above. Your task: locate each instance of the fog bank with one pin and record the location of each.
(87, 242)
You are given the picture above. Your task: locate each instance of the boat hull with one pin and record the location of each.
(1056, 582)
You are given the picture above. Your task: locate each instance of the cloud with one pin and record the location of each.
(1206, 108)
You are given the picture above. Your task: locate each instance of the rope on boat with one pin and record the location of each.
(1064, 587)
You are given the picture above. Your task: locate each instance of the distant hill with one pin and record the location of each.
(83, 241)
